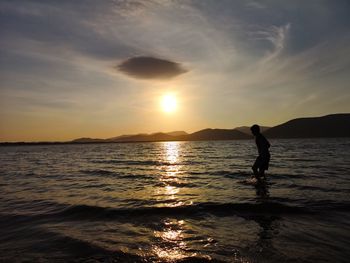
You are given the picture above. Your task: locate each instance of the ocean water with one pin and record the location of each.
(175, 202)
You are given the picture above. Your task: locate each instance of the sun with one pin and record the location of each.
(169, 103)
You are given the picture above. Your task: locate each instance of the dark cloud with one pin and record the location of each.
(150, 68)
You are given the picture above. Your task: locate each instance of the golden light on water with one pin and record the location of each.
(170, 172)
(172, 235)
(172, 245)
(169, 103)
(172, 150)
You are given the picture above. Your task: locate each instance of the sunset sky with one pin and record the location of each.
(99, 69)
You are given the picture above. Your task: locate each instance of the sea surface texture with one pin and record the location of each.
(175, 202)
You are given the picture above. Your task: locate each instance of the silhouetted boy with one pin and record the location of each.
(262, 161)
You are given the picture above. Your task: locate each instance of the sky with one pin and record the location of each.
(98, 69)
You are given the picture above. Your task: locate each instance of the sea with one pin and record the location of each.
(175, 202)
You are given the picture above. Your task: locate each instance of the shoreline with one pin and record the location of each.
(150, 141)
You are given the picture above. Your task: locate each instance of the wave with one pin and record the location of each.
(272, 206)
(219, 173)
(129, 162)
(316, 188)
(107, 173)
(283, 176)
(195, 210)
(328, 205)
(177, 184)
(231, 174)
(50, 246)
(301, 184)
(146, 162)
(301, 160)
(99, 172)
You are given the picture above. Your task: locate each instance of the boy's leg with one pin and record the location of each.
(255, 167)
(264, 165)
(255, 171)
(262, 173)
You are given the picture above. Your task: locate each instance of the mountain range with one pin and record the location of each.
(334, 125)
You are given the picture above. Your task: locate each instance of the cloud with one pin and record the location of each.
(254, 4)
(150, 68)
(276, 36)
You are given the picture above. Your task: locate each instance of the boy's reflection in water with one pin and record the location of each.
(262, 190)
(268, 224)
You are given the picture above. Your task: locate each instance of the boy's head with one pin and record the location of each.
(255, 129)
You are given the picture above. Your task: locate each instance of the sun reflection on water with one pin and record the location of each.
(172, 245)
(171, 150)
(170, 173)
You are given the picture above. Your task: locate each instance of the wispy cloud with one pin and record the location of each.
(255, 4)
(277, 36)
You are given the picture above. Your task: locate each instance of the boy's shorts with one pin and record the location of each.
(262, 162)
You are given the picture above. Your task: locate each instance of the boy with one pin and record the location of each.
(262, 161)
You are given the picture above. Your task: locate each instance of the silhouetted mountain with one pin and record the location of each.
(177, 133)
(207, 134)
(125, 136)
(145, 138)
(215, 134)
(335, 125)
(246, 129)
(87, 140)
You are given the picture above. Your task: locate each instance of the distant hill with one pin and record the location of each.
(215, 134)
(335, 125)
(87, 140)
(144, 138)
(246, 129)
(125, 136)
(207, 134)
(177, 133)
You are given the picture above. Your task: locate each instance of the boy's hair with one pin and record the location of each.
(255, 128)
